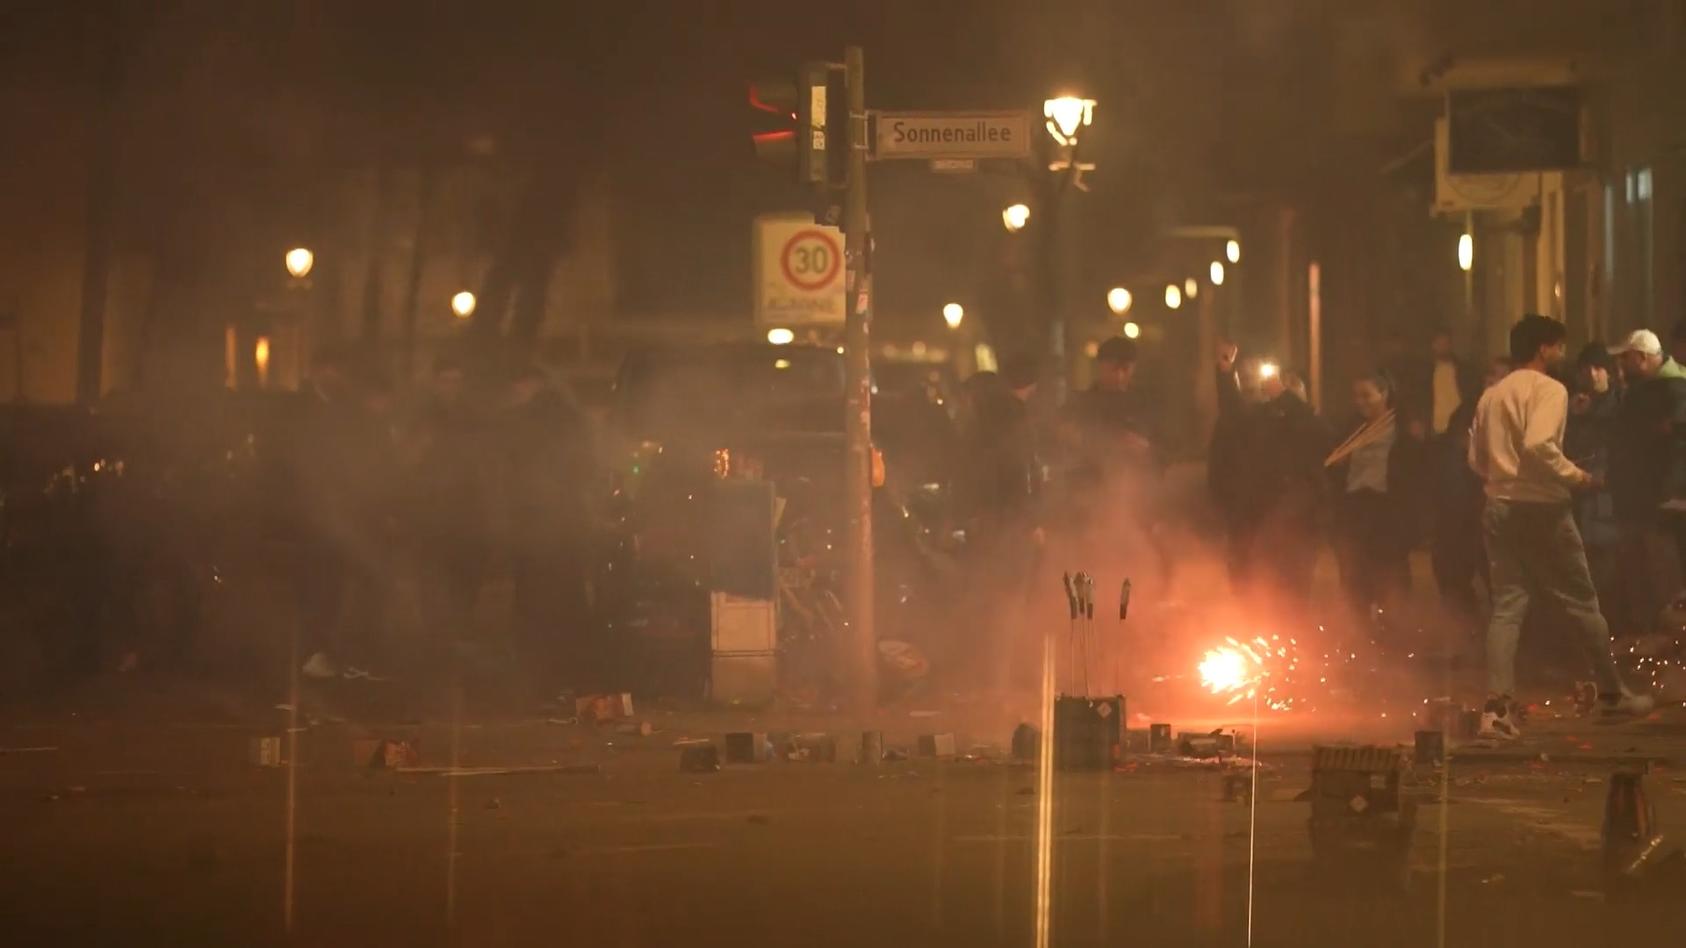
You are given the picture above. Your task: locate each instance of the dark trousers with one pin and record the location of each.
(1374, 568)
(1273, 556)
(551, 614)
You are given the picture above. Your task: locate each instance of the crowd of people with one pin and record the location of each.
(1531, 480)
(438, 491)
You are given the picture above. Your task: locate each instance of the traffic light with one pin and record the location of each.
(801, 125)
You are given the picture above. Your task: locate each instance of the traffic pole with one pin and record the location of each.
(862, 646)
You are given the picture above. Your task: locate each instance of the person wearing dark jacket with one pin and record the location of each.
(1263, 472)
(544, 445)
(1646, 468)
(1594, 402)
(1375, 472)
(1455, 549)
(999, 487)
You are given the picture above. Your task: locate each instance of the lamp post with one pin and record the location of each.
(1065, 117)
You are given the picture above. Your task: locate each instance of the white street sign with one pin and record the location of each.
(952, 135)
(798, 272)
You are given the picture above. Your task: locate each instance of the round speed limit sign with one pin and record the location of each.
(811, 259)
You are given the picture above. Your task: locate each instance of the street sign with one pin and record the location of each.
(927, 135)
(954, 165)
(798, 272)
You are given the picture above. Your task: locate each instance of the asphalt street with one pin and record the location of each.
(121, 832)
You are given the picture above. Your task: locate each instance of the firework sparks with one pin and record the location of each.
(1224, 669)
(1261, 667)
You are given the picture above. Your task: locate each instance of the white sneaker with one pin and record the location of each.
(1497, 726)
(353, 673)
(1627, 704)
(319, 665)
(1497, 722)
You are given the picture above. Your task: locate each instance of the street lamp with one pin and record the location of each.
(1217, 272)
(1173, 296)
(260, 358)
(463, 304)
(953, 313)
(1466, 252)
(1066, 115)
(1118, 299)
(1015, 216)
(1191, 287)
(1131, 330)
(299, 261)
(1232, 251)
(780, 336)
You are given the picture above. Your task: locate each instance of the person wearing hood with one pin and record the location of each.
(1594, 400)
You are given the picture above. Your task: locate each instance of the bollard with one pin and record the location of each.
(1027, 742)
(1159, 739)
(872, 748)
(746, 747)
(936, 745)
(1431, 747)
(700, 758)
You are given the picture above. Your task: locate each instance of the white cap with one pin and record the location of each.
(1640, 340)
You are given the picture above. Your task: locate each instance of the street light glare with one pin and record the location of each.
(463, 304)
(1015, 216)
(1132, 331)
(780, 336)
(1173, 296)
(1232, 251)
(1466, 252)
(299, 261)
(1217, 272)
(1066, 115)
(1191, 287)
(1118, 299)
(953, 313)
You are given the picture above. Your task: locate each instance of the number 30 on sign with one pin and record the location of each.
(798, 272)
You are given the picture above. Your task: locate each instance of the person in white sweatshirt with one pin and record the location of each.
(1534, 550)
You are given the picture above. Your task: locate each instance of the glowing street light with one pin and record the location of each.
(299, 261)
(1466, 252)
(1232, 251)
(1173, 296)
(1118, 299)
(1015, 216)
(1191, 287)
(1217, 272)
(1269, 370)
(953, 313)
(780, 336)
(1132, 331)
(463, 304)
(260, 358)
(1066, 115)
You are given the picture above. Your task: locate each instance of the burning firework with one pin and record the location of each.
(1262, 667)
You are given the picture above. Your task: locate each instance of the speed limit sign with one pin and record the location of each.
(798, 272)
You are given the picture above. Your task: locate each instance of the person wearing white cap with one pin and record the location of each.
(1647, 470)
(1642, 357)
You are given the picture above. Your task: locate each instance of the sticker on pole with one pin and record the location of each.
(798, 272)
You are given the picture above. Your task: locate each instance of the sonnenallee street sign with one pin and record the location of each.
(926, 135)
